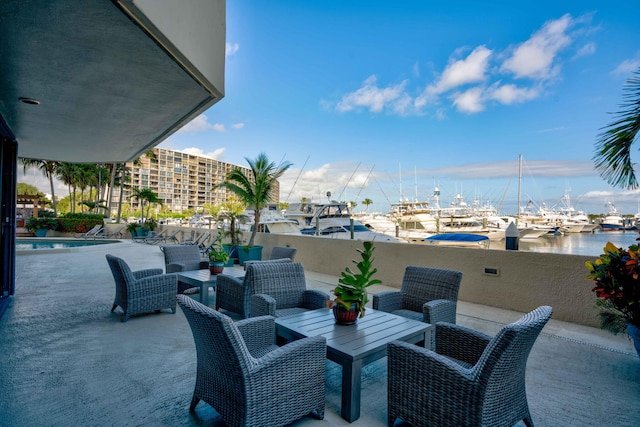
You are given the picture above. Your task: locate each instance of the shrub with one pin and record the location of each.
(79, 222)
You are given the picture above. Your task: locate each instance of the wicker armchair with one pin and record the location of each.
(245, 377)
(280, 289)
(234, 294)
(278, 253)
(143, 290)
(183, 258)
(427, 295)
(470, 380)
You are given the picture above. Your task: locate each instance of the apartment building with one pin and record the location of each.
(183, 181)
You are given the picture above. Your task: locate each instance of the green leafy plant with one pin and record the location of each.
(217, 252)
(352, 288)
(150, 223)
(44, 223)
(616, 274)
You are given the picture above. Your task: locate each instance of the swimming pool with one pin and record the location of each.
(23, 244)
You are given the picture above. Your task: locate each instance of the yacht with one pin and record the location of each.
(333, 220)
(612, 220)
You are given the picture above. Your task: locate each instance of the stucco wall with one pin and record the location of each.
(525, 280)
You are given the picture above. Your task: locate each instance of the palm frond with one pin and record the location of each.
(613, 147)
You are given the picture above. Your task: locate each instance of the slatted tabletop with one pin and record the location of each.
(353, 346)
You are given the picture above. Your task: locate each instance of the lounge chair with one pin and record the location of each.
(116, 233)
(89, 234)
(248, 379)
(142, 291)
(162, 237)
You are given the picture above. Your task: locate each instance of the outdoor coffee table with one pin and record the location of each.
(204, 279)
(353, 346)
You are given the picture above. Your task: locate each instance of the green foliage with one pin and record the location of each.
(613, 148)
(41, 223)
(79, 222)
(25, 189)
(616, 274)
(353, 286)
(256, 188)
(218, 252)
(150, 223)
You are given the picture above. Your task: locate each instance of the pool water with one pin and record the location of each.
(30, 244)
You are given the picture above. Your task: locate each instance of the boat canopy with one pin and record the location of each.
(458, 237)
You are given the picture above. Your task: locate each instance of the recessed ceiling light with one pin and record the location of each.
(29, 101)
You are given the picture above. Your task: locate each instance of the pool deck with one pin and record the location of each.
(68, 361)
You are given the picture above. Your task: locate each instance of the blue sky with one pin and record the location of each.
(385, 100)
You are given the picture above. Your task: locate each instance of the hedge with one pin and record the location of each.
(79, 222)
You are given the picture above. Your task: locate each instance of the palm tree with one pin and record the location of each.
(66, 172)
(256, 189)
(367, 202)
(231, 211)
(613, 148)
(48, 169)
(148, 196)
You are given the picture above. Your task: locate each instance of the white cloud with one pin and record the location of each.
(511, 94)
(586, 50)
(199, 124)
(627, 66)
(237, 125)
(194, 151)
(231, 49)
(535, 57)
(339, 179)
(375, 99)
(469, 101)
(472, 69)
(218, 127)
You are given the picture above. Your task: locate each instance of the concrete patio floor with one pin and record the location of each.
(66, 360)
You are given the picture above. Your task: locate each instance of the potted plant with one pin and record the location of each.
(218, 255)
(351, 293)
(40, 226)
(616, 274)
(255, 190)
(131, 228)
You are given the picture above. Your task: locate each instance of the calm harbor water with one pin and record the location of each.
(579, 243)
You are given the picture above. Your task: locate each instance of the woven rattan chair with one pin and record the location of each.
(245, 377)
(234, 294)
(470, 380)
(427, 294)
(278, 253)
(280, 289)
(143, 290)
(183, 258)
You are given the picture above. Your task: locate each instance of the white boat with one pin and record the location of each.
(612, 220)
(334, 220)
(271, 221)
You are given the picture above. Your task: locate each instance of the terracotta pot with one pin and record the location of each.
(216, 267)
(345, 316)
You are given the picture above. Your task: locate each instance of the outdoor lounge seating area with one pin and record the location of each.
(74, 362)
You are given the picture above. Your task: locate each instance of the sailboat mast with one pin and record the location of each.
(519, 181)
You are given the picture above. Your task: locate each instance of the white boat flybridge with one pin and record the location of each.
(333, 220)
(612, 220)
